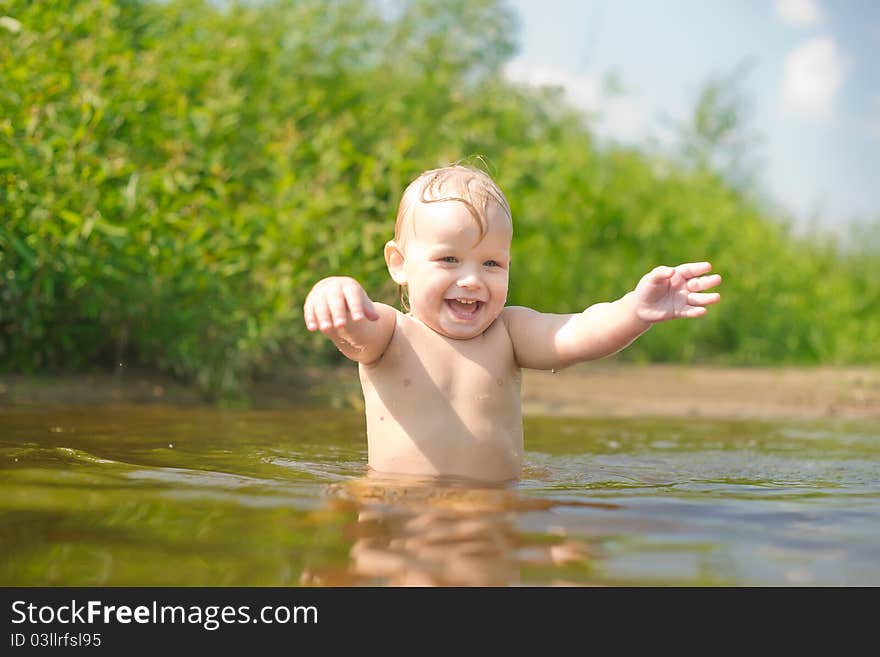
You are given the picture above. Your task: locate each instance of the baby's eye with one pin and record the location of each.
(492, 263)
(450, 259)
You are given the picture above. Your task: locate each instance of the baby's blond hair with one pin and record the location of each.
(457, 182)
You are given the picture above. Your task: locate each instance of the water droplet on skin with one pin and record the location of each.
(553, 371)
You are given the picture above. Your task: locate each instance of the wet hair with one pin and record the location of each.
(470, 186)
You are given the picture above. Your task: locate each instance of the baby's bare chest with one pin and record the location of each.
(420, 366)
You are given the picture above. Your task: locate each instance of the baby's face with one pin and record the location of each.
(457, 282)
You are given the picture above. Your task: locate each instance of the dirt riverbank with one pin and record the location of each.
(591, 389)
(681, 391)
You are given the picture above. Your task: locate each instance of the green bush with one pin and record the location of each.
(174, 176)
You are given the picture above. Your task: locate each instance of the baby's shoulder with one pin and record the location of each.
(405, 335)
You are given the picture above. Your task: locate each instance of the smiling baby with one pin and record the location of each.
(441, 383)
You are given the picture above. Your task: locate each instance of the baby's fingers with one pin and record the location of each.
(702, 283)
(359, 305)
(321, 314)
(692, 312)
(309, 316)
(338, 309)
(691, 269)
(660, 274)
(703, 299)
(370, 310)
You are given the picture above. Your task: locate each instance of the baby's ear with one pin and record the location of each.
(394, 259)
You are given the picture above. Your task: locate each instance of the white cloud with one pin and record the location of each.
(614, 116)
(623, 119)
(814, 73)
(584, 91)
(800, 13)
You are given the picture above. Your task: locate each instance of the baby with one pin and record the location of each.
(441, 383)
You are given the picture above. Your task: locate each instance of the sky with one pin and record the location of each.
(812, 83)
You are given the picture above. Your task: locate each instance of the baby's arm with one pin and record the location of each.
(544, 341)
(340, 308)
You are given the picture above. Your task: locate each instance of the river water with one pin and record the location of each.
(151, 496)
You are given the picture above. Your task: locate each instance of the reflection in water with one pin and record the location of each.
(439, 532)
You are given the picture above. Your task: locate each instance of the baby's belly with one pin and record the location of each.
(481, 440)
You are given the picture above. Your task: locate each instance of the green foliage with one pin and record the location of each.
(174, 176)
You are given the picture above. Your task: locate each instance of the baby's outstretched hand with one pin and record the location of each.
(334, 301)
(673, 292)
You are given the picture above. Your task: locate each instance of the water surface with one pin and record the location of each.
(149, 495)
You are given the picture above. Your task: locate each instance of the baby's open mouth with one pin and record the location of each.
(464, 308)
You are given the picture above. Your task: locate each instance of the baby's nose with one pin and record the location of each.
(469, 281)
